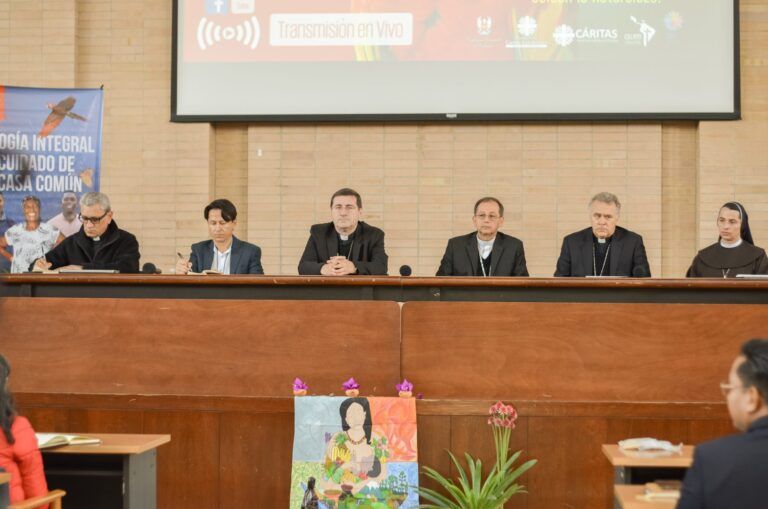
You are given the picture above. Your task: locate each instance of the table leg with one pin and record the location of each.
(621, 475)
(140, 480)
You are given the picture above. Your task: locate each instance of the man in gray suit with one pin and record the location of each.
(224, 253)
(485, 252)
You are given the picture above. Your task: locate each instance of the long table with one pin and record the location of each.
(386, 288)
(216, 374)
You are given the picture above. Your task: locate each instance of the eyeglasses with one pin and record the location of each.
(92, 220)
(726, 388)
(491, 217)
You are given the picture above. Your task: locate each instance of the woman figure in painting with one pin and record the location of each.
(351, 458)
(735, 252)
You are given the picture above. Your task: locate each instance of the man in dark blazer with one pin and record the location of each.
(486, 251)
(224, 252)
(604, 249)
(346, 245)
(732, 472)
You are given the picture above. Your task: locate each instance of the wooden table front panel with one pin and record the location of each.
(194, 347)
(575, 352)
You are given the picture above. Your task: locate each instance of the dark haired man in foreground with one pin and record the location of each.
(732, 472)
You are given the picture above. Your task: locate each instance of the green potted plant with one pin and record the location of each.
(470, 490)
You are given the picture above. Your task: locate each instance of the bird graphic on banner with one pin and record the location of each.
(58, 112)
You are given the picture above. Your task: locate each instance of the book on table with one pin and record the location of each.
(46, 440)
(662, 490)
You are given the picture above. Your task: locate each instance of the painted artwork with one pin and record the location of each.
(354, 453)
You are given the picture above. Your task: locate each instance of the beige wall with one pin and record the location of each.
(419, 181)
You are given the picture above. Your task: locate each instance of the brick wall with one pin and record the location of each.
(419, 181)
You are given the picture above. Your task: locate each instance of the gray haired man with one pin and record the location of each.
(604, 249)
(99, 244)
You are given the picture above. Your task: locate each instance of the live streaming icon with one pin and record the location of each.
(247, 33)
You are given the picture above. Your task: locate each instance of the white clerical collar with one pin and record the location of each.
(96, 239)
(343, 237)
(485, 246)
(730, 246)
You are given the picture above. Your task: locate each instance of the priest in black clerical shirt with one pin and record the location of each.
(346, 245)
(485, 252)
(604, 249)
(98, 245)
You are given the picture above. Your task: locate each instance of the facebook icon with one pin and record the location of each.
(216, 6)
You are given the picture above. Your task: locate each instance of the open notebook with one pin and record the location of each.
(45, 440)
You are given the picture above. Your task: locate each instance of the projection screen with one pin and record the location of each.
(314, 60)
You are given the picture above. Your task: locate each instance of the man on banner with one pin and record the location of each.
(67, 221)
(30, 239)
(99, 245)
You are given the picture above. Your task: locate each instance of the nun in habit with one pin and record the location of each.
(735, 253)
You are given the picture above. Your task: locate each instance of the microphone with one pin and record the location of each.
(150, 268)
(405, 270)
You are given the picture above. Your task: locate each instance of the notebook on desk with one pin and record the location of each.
(46, 440)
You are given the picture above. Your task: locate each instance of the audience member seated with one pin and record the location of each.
(29, 240)
(735, 252)
(224, 253)
(346, 245)
(732, 472)
(99, 245)
(19, 454)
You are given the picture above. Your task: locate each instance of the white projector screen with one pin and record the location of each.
(305, 60)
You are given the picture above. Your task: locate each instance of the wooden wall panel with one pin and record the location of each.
(47, 419)
(188, 466)
(193, 347)
(256, 453)
(574, 352)
(106, 421)
(571, 471)
(434, 437)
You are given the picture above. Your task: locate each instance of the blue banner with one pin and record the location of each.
(50, 143)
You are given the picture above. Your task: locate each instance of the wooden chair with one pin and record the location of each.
(52, 497)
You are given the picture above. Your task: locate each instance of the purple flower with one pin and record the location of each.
(350, 384)
(404, 386)
(299, 385)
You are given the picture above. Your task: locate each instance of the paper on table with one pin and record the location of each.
(649, 444)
